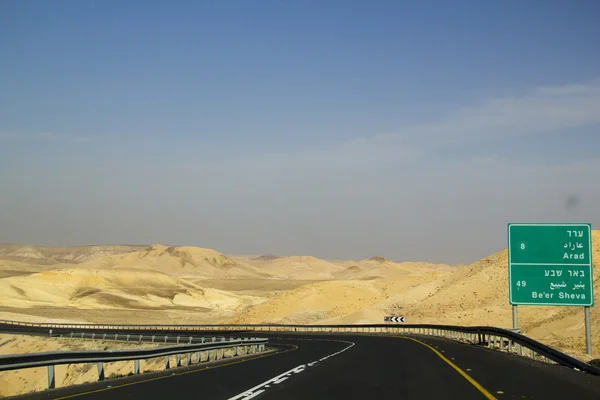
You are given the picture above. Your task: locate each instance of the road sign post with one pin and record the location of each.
(550, 265)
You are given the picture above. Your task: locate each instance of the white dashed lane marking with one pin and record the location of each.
(258, 389)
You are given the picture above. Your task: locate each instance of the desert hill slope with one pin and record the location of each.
(330, 300)
(299, 267)
(54, 255)
(114, 288)
(382, 268)
(180, 261)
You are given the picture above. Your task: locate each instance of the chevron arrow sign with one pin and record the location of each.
(394, 319)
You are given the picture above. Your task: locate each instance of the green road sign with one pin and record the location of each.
(550, 264)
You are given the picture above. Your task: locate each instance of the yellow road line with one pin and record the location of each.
(472, 381)
(176, 374)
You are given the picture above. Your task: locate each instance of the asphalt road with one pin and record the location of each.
(354, 367)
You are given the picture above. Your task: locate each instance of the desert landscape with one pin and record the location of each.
(169, 284)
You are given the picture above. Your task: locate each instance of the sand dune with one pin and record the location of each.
(115, 288)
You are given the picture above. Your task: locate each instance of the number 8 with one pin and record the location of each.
(522, 246)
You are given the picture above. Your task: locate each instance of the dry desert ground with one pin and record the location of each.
(169, 284)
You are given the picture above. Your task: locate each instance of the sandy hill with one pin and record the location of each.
(181, 261)
(13, 268)
(266, 257)
(300, 267)
(112, 288)
(53, 255)
(312, 303)
(382, 268)
(325, 301)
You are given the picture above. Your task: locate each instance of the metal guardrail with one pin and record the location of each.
(492, 337)
(214, 350)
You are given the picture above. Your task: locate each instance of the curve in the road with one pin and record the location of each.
(356, 367)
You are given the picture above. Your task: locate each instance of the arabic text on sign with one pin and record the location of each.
(554, 286)
(573, 245)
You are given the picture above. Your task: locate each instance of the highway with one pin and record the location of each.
(353, 367)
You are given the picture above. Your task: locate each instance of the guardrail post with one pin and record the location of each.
(153, 338)
(167, 362)
(178, 359)
(190, 342)
(100, 371)
(235, 351)
(136, 366)
(116, 336)
(103, 336)
(51, 380)
(82, 333)
(71, 334)
(198, 357)
(178, 339)
(189, 359)
(166, 337)
(93, 336)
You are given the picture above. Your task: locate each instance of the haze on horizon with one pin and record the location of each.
(338, 130)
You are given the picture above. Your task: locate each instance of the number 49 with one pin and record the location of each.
(521, 283)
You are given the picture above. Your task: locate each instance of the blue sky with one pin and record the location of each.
(341, 129)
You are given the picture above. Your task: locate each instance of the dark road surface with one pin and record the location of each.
(354, 367)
